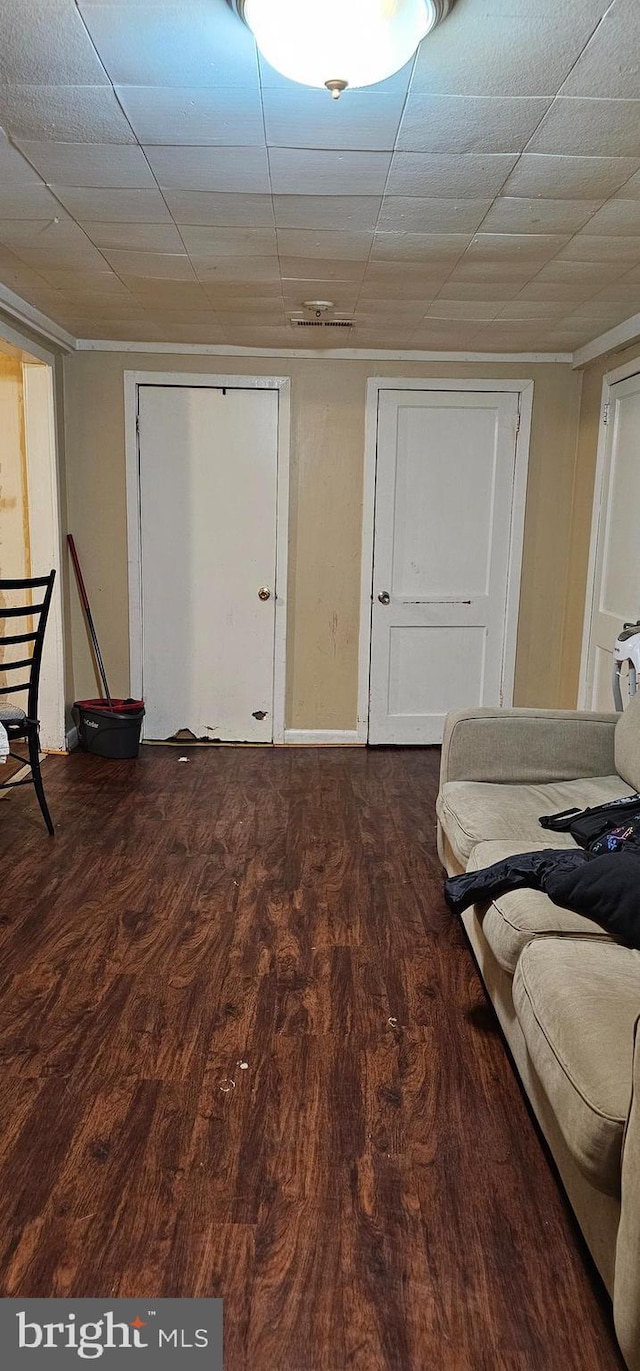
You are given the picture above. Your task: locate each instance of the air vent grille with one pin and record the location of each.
(322, 323)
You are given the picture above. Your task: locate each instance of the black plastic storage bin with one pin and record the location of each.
(109, 732)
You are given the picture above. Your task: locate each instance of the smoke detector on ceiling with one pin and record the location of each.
(318, 307)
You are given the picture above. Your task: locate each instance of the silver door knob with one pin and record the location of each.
(384, 597)
(264, 593)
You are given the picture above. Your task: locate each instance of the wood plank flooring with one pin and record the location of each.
(370, 1192)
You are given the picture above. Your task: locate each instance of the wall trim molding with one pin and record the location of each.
(626, 332)
(28, 315)
(348, 354)
(323, 737)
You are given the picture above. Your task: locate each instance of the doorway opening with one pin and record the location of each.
(29, 508)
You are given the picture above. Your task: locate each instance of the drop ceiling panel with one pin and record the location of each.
(100, 165)
(331, 269)
(572, 178)
(297, 172)
(88, 205)
(256, 269)
(45, 42)
(631, 189)
(304, 118)
(204, 241)
(608, 65)
(620, 217)
(510, 53)
(420, 214)
(211, 169)
(429, 174)
(220, 210)
(589, 247)
(594, 128)
(425, 248)
(344, 212)
(324, 243)
(27, 202)
(188, 44)
(455, 123)
(142, 237)
(192, 116)
(511, 214)
(64, 114)
(485, 196)
(156, 265)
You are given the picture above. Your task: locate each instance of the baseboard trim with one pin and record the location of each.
(322, 737)
(71, 739)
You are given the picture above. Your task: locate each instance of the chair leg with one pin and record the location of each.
(34, 761)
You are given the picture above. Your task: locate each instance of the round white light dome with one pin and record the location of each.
(355, 42)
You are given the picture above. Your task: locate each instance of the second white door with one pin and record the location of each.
(208, 488)
(616, 583)
(443, 519)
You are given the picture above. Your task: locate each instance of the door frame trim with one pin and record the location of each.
(41, 397)
(134, 379)
(375, 385)
(610, 379)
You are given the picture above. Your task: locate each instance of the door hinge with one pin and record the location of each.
(137, 425)
(517, 423)
(605, 413)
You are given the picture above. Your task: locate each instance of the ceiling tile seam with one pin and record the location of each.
(136, 141)
(273, 208)
(532, 135)
(386, 179)
(541, 121)
(587, 43)
(65, 212)
(90, 39)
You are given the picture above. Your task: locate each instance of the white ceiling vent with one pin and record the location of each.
(303, 321)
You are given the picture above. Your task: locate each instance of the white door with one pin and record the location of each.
(443, 513)
(616, 590)
(208, 472)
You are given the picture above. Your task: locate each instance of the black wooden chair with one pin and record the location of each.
(18, 722)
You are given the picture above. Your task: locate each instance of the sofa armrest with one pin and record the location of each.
(527, 745)
(626, 1291)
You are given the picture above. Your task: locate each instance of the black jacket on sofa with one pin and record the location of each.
(605, 888)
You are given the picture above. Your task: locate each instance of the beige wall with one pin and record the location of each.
(588, 429)
(14, 509)
(328, 413)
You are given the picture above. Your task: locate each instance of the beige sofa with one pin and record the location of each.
(567, 996)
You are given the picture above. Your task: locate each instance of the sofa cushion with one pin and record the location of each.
(577, 1001)
(627, 743)
(476, 811)
(512, 920)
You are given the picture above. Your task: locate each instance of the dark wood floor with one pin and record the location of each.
(371, 1193)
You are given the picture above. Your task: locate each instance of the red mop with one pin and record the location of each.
(108, 727)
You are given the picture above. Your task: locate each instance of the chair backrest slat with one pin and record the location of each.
(19, 611)
(13, 666)
(18, 638)
(37, 638)
(27, 583)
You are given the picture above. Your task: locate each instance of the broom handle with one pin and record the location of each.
(84, 599)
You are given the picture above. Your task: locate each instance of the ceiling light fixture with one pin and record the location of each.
(339, 43)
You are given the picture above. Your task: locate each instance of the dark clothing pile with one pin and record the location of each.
(600, 879)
